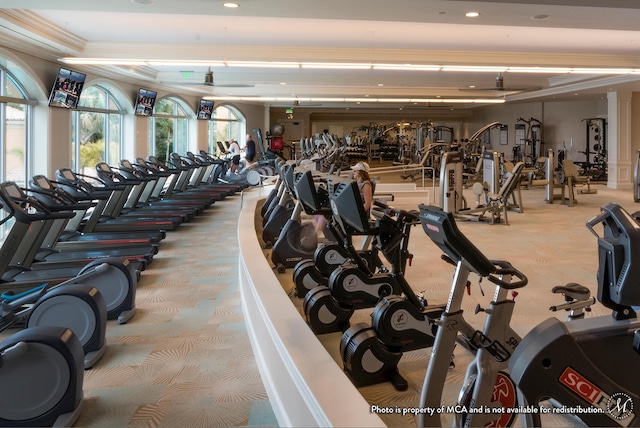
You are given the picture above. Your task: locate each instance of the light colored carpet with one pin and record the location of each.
(185, 359)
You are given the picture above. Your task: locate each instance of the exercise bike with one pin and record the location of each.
(42, 376)
(488, 390)
(400, 323)
(352, 285)
(312, 272)
(591, 364)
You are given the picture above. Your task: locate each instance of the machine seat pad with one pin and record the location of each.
(572, 288)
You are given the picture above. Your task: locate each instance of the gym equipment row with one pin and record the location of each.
(560, 352)
(62, 280)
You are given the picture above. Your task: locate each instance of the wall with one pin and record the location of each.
(562, 122)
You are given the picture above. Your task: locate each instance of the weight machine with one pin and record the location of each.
(529, 137)
(595, 165)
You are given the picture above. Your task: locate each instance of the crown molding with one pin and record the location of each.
(30, 27)
(217, 52)
(598, 84)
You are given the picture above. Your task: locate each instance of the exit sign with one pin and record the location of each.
(186, 74)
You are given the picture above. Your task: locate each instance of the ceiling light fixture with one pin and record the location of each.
(335, 66)
(231, 5)
(364, 100)
(262, 64)
(472, 14)
(350, 66)
(142, 2)
(541, 17)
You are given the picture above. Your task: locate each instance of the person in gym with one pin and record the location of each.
(234, 150)
(361, 175)
(249, 149)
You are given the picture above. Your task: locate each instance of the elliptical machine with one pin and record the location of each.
(79, 307)
(297, 241)
(41, 371)
(275, 219)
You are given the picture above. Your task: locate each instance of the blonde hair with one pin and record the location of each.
(364, 174)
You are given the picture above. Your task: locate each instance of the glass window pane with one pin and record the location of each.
(93, 96)
(164, 106)
(163, 138)
(92, 145)
(15, 145)
(115, 124)
(181, 137)
(12, 90)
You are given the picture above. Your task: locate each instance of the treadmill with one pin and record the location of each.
(20, 218)
(140, 197)
(47, 189)
(32, 248)
(108, 198)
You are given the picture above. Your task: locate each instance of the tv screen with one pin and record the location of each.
(145, 102)
(205, 109)
(66, 89)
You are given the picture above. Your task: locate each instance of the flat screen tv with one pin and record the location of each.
(144, 102)
(205, 109)
(66, 89)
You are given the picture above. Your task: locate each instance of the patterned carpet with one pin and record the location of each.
(185, 359)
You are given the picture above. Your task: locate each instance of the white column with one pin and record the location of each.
(619, 122)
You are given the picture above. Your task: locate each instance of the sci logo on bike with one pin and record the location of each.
(617, 406)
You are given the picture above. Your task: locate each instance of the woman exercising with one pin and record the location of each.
(361, 176)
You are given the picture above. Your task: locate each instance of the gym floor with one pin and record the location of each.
(185, 358)
(549, 243)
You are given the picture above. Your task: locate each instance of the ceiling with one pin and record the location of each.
(576, 33)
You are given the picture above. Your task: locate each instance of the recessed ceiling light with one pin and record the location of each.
(472, 14)
(380, 84)
(142, 1)
(541, 17)
(472, 86)
(231, 5)
(283, 83)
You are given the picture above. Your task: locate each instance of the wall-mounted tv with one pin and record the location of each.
(205, 109)
(144, 102)
(66, 89)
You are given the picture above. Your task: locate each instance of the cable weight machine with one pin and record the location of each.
(595, 151)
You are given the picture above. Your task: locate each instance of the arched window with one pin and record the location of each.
(227, 123)
(97, 130)
(15, 130)
(170, 130)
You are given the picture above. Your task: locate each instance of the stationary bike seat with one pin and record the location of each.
(573, 290)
